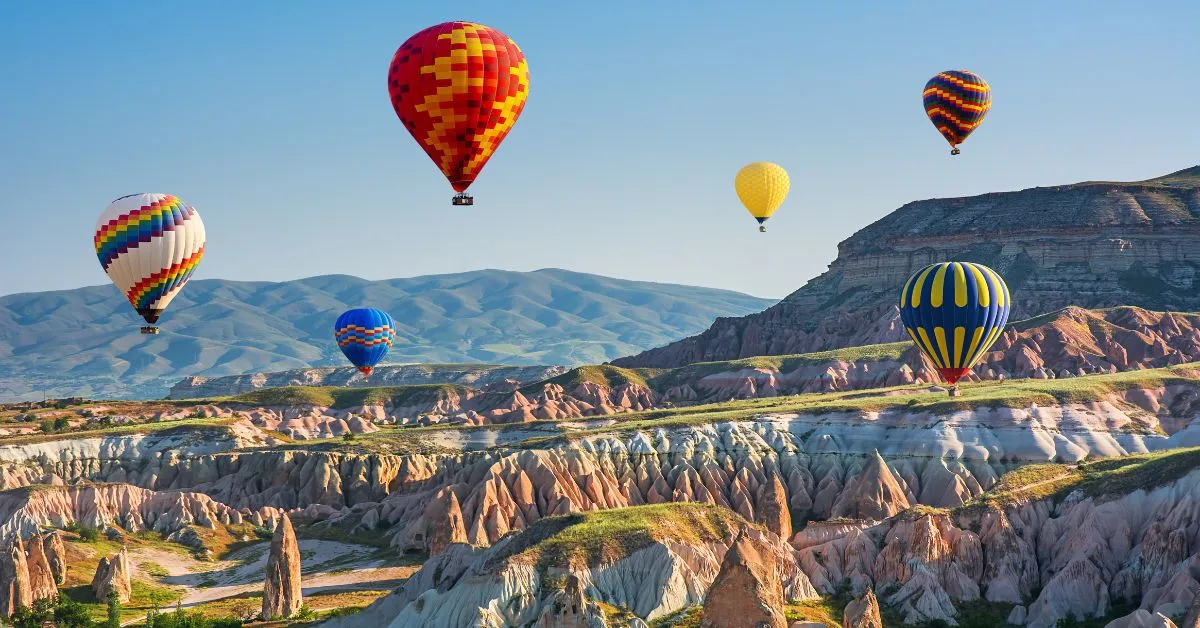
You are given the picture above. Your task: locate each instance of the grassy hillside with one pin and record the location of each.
(86, 342)
(602, 375)
(662, 379)
(915, 398)
(1105, 477)
(590, 538)
(335, 397)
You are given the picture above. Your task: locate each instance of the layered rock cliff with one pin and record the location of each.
(26, 511)
(1093, 244)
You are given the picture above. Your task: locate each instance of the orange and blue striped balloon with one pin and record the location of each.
(365, 334)
(954, 311)
(957, 101)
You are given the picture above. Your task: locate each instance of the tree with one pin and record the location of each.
(61, 611)
(114, 610)
(71, 614)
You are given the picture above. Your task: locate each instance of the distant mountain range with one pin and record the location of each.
(86, 341)
(1095, 244)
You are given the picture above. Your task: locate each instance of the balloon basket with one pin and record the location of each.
(762, 229)
(955, 151)
(462, 199)
(955, 392)
(149, 330)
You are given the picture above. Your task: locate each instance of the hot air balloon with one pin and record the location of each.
(761, 186)
(365, 334)
(149, 244)
(954, 311)
(459, 87)
(956, 101)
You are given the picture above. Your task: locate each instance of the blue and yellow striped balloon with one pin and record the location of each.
(954, 311)
(365, 334)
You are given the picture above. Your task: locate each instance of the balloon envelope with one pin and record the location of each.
(762, 186)
(149, 245)
(459, 87)
(364, 335)
(954, 311)
(957, 101)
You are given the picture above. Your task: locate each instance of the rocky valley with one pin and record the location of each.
(798, 467)
(943, 508)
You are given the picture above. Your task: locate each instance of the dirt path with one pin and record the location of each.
(326, 565)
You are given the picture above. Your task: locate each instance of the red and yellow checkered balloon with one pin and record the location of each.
(459, 87)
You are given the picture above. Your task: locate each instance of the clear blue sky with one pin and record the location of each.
(273, 120)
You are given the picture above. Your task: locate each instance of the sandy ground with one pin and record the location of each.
(325, 565)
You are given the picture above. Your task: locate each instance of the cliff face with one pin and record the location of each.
(1094, 244)
(428, 501)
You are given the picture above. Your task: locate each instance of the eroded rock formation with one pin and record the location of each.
(570, 608)
(114, 575)
(281, 587)
(26, 512)
(863, 612)
(15, 590)
(747, 592)
(43, 582)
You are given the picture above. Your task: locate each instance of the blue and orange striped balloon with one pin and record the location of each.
(954, 311)
(957, 101)
(365, 334)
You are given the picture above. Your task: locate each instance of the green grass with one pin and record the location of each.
(154, 569)
(916, 398)
(161, 428)
(142, 598)
(685, 618)
(1109, 477)
(339, 397)
(602, 375)
(589, 538)
(782, 363)
(1018, 479)
(827, 610)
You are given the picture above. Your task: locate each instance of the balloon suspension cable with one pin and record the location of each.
(762, 229)
(149, 330)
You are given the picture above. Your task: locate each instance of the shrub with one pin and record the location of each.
(86, 534)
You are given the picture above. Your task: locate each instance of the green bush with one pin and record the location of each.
(180, 618)
(61, 611)
(114, 610)
(86, 534)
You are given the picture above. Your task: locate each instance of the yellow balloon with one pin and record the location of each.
(762, 186)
